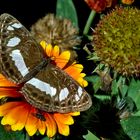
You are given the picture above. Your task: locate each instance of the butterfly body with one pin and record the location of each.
(44, 85)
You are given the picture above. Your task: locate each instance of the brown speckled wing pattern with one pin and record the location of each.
(44, 85)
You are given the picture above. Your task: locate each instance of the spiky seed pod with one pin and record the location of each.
(56, 31)
(117, 40)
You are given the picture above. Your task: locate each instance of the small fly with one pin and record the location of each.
(39, 115)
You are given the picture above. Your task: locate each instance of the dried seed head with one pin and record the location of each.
(56, 31)
(117, 40)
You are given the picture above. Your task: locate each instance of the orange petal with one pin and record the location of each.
(62, 59)
(41, 127)
(51, 125)
(62, 128)
(49, 50)
(9, 93)
(5, 82)
(74, 70)
(7, 107)
(82, 82)
(5, 120)
(74, 113)
(11, 117)
(31, 124)
(19, 125)
(82, 74)
(64, 118)
(55, 51)
(43, 44)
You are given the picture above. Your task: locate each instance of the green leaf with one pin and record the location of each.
(123, 89)
(134, 91)
(137, 113)
(66, 9)
(132, 127)
(119, 85)
(46, 138)
(122, 86)
(91, 136)
(94, 57)
(4, 135)
(114, 87)
(95, 80)
(102, 97)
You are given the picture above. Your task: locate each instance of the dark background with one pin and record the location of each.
(28, 12)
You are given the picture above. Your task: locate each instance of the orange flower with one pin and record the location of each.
(20, 114)
(128, 2)
(74, 70)
(100, 5)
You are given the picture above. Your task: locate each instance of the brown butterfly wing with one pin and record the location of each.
(53, 90)
(19, 53)
(50, 89)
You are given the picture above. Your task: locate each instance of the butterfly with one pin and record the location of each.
(43, 84)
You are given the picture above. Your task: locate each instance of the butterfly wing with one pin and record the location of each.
(50, 89)
(19, 53)
(53, 90)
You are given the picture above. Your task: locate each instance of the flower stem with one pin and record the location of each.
(89, 21)
(27, 137)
